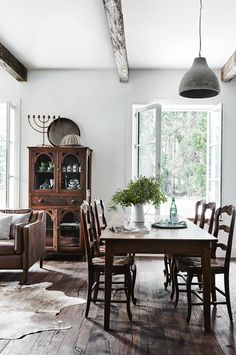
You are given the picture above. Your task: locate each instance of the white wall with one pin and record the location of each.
(102, 107)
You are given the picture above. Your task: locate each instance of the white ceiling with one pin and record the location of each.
(159, 33)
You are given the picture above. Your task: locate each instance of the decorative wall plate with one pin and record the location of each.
(60, 128)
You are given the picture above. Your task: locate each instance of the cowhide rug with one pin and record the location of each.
(31, 308)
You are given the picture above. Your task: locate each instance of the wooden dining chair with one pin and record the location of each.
(207, 216)
(100, 221)
(205, 220)
(99, 212)
(198, 211)
(101, 224)
(168, 259)
(192, 266)
(96, 264)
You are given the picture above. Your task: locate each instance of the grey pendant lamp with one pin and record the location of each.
(200, 81)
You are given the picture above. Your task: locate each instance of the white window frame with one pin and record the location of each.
(215, 108)
(16, 153)
(175, 107)
(135, 138)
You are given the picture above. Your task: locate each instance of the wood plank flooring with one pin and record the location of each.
(157, 327)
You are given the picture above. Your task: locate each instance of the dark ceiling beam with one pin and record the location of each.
(228, 72)
(12, 65)
(115, 24)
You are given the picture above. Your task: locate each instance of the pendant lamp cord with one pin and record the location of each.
(200, 29)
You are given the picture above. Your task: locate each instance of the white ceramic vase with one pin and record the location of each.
(137, 215)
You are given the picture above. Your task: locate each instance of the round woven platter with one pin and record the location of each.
(60, 128)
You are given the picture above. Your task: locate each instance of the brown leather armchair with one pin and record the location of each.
(27, 245)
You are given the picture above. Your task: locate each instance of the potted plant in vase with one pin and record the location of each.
(138, 193)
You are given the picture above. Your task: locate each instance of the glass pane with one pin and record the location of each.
(183, 153)
(146, 160)
(147, 127)
(49, 230)
(3, 154)
(210, 133)
(214, 155)
(44, 173)
(214, 162)
(214, 127)
(70, 172)
(12, 143)
(183, 159)
(11, 194)
(70, 230)
(214, 191)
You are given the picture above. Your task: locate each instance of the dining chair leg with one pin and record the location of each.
(199, 279)
(166, 271)
(213, 289)
(96, 288)
(134, 273)
(175, 286)
(89, 292)
(173, 266)
(227, 296)
(189, 296)
(128, 291)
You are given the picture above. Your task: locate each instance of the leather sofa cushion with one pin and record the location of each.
(7, 247)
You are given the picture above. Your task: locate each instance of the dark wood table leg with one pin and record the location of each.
(206, 257)
(108, 280)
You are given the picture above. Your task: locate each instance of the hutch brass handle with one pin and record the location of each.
(73, 201)
(41, 200)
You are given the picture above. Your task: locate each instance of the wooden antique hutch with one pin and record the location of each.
(59, 181)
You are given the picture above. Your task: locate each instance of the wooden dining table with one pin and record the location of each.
(192, 241)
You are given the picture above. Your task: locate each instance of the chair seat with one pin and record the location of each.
(117, 261)
(102, 251)
(195, 262)
(7, 247)
(187, 261)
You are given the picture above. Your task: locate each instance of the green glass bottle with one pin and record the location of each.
(173, 212)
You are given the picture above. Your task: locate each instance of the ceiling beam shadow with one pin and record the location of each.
(12, 65)
(228, 72)
(115, 24)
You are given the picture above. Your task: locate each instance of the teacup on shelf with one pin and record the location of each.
(73, 184)
(43, 166)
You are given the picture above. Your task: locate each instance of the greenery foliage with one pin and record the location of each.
(143, 190)
(183, 156)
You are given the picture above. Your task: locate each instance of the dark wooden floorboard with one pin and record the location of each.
(157, 327)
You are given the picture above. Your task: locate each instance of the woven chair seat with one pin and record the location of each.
(117, 261)
(195, 262)
(187, 261)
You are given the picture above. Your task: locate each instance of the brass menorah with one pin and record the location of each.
(41, 123)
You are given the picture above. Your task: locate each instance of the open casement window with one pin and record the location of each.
(146, 141)
(214, 153)
(183, 145)
(9, 156)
